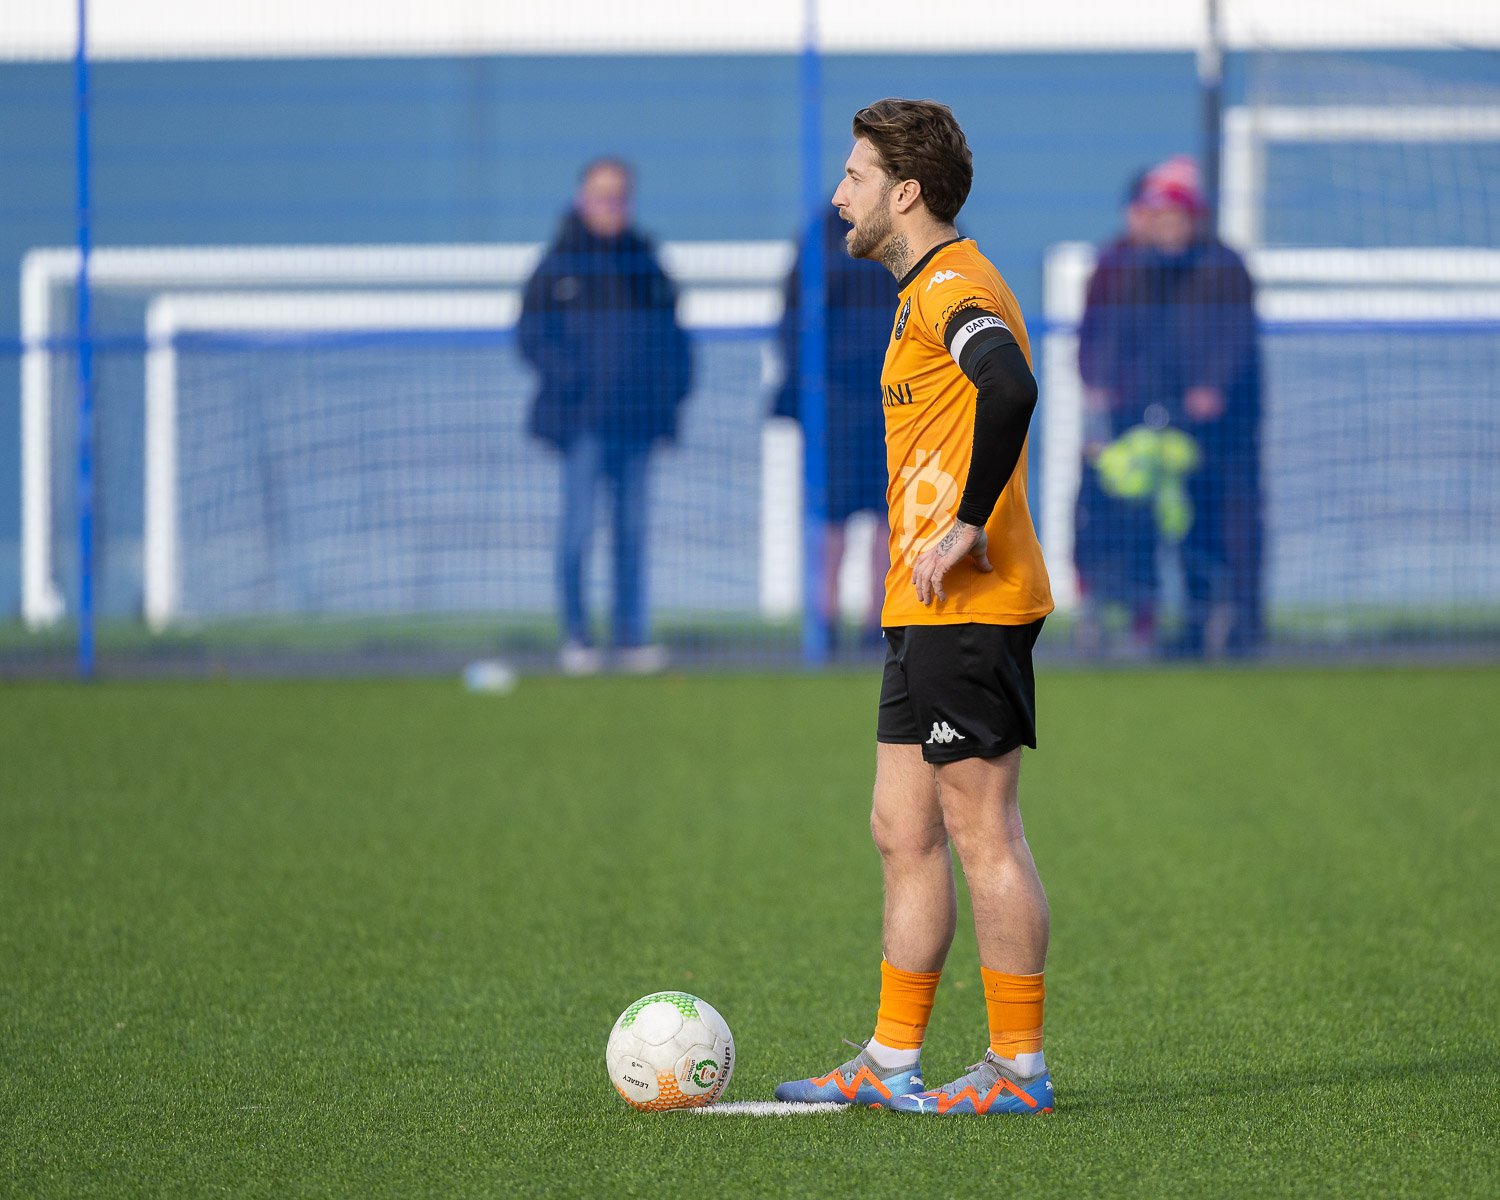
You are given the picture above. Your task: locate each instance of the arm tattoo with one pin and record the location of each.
(950, 539)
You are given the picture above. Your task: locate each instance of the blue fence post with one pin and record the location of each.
(813, 350)
(1211, 88)
(85, 359)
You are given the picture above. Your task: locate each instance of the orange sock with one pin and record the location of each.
(905, 1004)
(1015, 1008)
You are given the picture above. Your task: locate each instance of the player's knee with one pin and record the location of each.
(905, 838)
(975, 827)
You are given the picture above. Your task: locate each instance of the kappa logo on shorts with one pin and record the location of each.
(944, 733)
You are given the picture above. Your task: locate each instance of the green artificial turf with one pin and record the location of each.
(368, 938)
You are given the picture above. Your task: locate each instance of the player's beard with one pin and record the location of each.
(867, 236)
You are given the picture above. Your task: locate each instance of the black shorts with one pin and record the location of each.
(959, 691)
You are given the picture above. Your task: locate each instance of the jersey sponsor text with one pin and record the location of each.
(893, 394)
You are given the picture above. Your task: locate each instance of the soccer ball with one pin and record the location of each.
(670, 1050)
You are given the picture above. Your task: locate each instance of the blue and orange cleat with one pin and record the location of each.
(861, 1080)
(987, 1090)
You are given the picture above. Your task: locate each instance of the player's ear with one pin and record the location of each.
(908, 192)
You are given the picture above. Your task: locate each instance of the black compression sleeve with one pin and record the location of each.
(1002, 413)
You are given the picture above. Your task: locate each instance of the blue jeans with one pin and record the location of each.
(623, 464)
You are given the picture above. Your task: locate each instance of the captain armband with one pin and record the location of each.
(972, 334)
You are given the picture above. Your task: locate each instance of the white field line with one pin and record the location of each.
(767, 1108)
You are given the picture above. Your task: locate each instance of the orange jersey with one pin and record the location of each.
(929, 440)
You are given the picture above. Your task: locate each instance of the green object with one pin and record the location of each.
(368, 938)
(685, 1004)
(1145, 464)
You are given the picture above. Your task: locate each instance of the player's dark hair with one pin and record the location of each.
(921, 140)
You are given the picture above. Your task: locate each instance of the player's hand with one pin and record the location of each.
(960, 542)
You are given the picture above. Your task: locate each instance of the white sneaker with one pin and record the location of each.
(650, 659)
(577, 659)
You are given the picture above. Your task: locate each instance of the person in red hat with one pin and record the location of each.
(1206, 371)
(1114, 539)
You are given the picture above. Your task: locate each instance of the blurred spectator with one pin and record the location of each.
(861, 305)
(1114, 534)
(599, 323)
(1168, 339)
(1211, 369)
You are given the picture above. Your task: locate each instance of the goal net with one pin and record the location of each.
(367, 454)
(339, 434)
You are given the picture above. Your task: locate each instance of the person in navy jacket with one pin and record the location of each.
(1209, 369)
(1169, 339)
(599, 324)
(860, 307)
(1114, 541)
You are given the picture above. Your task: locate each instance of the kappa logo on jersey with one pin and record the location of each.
(901, 320)
(942, 277)
(944, 733)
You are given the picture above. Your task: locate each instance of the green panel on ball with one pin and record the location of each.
(685, 1004)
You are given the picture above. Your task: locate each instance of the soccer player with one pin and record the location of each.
(965, 598)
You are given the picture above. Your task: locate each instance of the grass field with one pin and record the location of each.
(368, 938)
